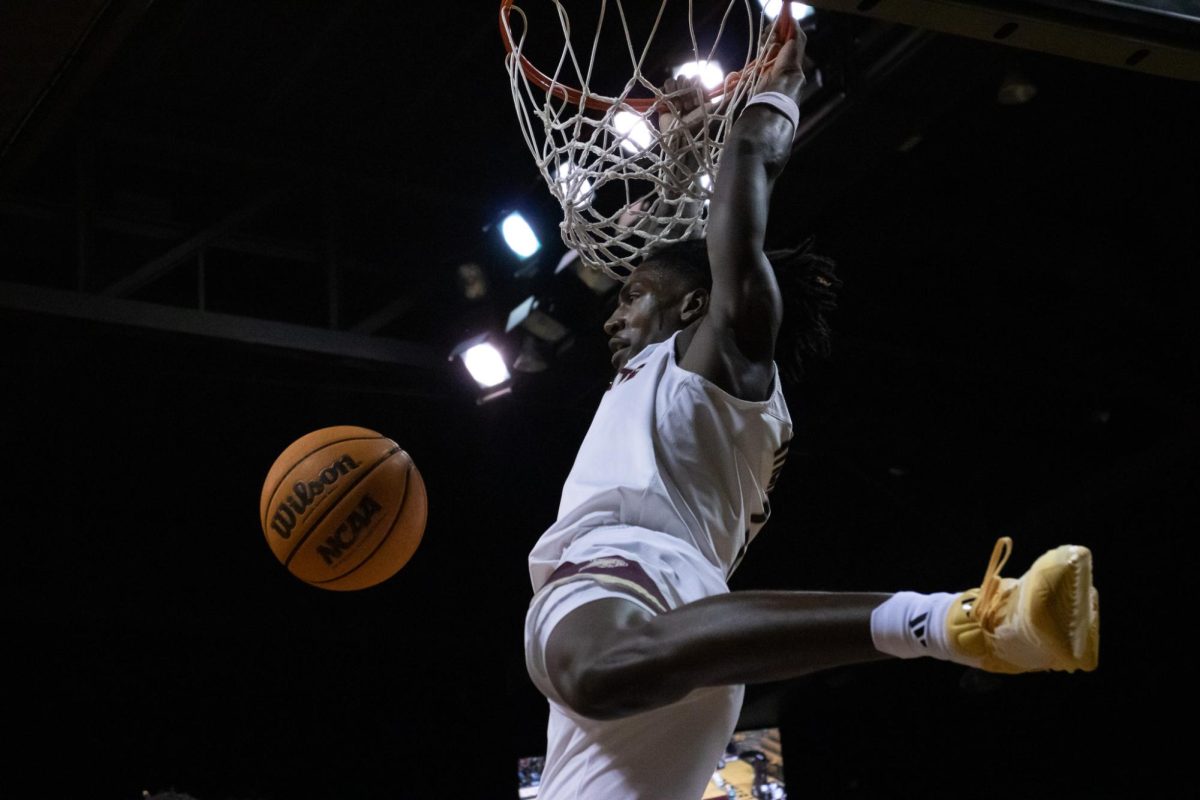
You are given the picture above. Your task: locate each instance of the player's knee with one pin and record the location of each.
(583, 693)
(608, 659)
(619, 681)
(599, 690)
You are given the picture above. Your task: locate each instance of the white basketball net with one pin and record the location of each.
(625, 184)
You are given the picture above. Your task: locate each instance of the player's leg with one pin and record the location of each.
(613, 658)
(667, 753)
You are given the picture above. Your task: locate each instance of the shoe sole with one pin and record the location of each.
(1081, 617)
(1077, 618)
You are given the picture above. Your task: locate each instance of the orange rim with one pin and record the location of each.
(640, 104)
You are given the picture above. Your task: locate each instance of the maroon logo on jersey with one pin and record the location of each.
(625, 374)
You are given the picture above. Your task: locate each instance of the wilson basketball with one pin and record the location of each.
(343, 508)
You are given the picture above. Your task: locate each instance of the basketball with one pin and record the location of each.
(343, 508)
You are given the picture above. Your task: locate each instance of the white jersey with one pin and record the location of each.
(669, 487)
(669, 451)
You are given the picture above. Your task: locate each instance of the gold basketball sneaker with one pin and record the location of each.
(1049, 619)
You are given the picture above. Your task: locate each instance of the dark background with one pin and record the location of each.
(1015, 353)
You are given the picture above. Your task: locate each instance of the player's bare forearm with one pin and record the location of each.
(623, 666)
(737, 222)
(757, 150)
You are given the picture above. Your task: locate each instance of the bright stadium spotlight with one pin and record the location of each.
(486, 365)
(710, 73)
(800, 11)
(519, 236)
(635, 133)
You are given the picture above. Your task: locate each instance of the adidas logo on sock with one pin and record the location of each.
(920, 629)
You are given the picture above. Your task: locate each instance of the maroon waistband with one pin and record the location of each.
(612, 567)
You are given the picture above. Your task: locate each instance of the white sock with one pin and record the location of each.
(911, 624)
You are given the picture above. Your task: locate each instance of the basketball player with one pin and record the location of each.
(632, 633)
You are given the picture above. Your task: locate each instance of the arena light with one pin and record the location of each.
(709, 72)
(635, 133)
(800, 11)
(486, 365)
(519, 236)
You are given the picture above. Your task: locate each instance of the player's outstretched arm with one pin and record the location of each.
(734, 344)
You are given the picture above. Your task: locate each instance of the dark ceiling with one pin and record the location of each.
(223, 225)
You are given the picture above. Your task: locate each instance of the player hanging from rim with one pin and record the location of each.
(632, 633)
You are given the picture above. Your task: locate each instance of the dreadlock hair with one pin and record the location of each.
(808, 283)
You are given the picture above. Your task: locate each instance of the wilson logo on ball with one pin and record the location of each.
(304, 494)
(347, 533)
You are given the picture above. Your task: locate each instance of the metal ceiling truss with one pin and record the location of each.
(1118, 35)
(227, 327)
(112, 304)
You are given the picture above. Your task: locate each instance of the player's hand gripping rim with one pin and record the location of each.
(786, 67)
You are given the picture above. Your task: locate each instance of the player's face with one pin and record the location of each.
(648, 311)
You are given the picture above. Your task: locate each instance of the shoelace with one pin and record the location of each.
(987, 605)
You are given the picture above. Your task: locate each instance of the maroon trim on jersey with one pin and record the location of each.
(612, 567)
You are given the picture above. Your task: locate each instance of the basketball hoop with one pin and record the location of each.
(630, 172)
